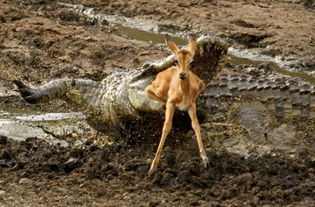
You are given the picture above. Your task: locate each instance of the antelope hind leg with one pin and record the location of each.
(196, 127)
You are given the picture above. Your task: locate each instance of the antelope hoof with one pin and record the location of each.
(205, 161)
(153, 167)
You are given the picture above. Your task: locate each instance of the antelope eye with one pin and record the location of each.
(190, 63)
(176, 62)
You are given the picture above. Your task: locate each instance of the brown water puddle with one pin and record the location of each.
(148, 31)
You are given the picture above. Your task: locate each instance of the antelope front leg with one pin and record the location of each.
(196, 127)
(170, 107)
(150, 93)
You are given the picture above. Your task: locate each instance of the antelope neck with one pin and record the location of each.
(184, 85)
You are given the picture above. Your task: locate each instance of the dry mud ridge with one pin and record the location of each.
(42, 40)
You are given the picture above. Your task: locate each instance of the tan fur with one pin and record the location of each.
(177, 87)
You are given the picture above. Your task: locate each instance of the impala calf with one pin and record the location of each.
(178, 87)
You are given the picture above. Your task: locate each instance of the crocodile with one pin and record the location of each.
(284, 95)
(119, 107)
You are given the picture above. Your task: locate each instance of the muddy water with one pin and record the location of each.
(19, 131)
(235, 56)
(50, 117)
(132, 28)
(238, 57)
(22, 126)
(142, 35)
(144, 30)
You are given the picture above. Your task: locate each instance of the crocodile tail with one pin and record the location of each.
(44, 93)
(78, 91)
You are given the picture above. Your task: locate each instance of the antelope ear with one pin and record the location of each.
(192, 44)
(171, 44)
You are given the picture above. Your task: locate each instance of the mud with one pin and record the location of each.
(266, 25)
(117, 176)
(42, 40)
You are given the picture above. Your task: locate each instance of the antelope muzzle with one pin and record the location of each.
(183, 76)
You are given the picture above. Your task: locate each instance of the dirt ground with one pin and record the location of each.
(41, 40)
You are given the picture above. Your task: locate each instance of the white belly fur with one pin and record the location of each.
(182, 106)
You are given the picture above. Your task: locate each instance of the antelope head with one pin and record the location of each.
(184, 57)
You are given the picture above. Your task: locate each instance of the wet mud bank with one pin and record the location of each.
(255, 26)
(152, 31)
(117, 175)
